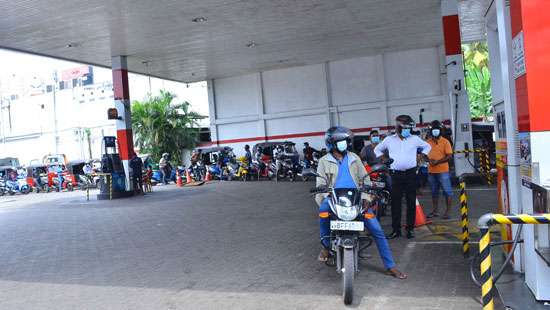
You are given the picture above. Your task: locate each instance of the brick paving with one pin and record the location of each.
(229, 245)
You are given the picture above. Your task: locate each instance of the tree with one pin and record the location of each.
(160, 125)
(478, 78)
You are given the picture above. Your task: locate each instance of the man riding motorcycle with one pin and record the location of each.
(344, 169)
(309, 154)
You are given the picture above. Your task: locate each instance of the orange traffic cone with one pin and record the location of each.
(420, 216)
(188, 177)
(208, 176)
(178, 179)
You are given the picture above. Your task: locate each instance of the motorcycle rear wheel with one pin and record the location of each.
(348, 274)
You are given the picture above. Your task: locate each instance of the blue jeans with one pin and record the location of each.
(442, 180)
(372, 225)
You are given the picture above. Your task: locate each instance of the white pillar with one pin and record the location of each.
(460, 108)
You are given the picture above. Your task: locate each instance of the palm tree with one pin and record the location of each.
(160, 125)
(478, 78)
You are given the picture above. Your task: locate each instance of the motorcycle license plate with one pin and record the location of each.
(343, 225)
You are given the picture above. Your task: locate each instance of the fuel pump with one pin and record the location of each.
(113, 184)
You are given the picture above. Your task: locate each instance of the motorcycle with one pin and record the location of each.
(19, 186)
(238, 169)
(346, 224)
(379, 174)
(197, 171)
(3, 188)
(286, 168)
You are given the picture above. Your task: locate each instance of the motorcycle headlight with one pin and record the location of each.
(346, 210)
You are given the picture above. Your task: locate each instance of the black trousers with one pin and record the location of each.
(403, 182)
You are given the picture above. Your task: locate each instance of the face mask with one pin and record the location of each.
(436, 132)
(406, 132)
(375, 139)
(342, 145)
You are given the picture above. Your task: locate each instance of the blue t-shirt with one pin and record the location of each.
(344, 179)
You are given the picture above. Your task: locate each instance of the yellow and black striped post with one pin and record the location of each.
(486, 166)
(485, 268)
(464, 219)
(110, 178)
(484, 162)
(484, 223)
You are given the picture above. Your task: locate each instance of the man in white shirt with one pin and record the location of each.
(402, 147)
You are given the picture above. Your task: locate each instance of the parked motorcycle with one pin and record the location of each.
(238, 169)
(286, 168)
(18, 186)
(379, 175)
(197, 171)
(346, 224)
(3, 189)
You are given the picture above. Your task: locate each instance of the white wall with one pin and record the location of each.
(300, 103)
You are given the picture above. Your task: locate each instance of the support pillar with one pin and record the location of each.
(212, 111)
(458, 97)
(121, 92)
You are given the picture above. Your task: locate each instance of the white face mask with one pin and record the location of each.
(342, 145)
(436, 132)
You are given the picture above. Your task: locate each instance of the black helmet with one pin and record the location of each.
(404, 121)
(335, 134)
(435, 125)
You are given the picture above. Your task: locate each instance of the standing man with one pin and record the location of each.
(438, 168)
(248, 154)
(137, 173)
(367, 152)
(165, 168)
(402, 148)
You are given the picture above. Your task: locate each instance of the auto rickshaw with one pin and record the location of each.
(265, 157)
(37, 177)
(75, 169)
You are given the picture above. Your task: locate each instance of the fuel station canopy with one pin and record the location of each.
(194, 40)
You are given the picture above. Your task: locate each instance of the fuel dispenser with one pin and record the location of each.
(113, 183)
(537, 246)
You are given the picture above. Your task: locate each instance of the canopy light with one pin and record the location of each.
(199, 19)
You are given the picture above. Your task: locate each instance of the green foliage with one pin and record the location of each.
(161, 125)
(478, 78)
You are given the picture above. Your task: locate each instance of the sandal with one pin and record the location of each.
(323, 256)
(397, 274)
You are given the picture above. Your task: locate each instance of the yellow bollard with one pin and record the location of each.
(484, 223)
(110, 178)
(485, 268)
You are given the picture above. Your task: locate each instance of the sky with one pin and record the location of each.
(17, 71)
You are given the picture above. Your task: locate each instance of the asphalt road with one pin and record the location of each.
(230, 245)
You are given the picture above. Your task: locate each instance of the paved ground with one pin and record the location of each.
(228, 245)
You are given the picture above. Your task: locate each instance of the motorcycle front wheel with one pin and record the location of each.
(348, 274)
